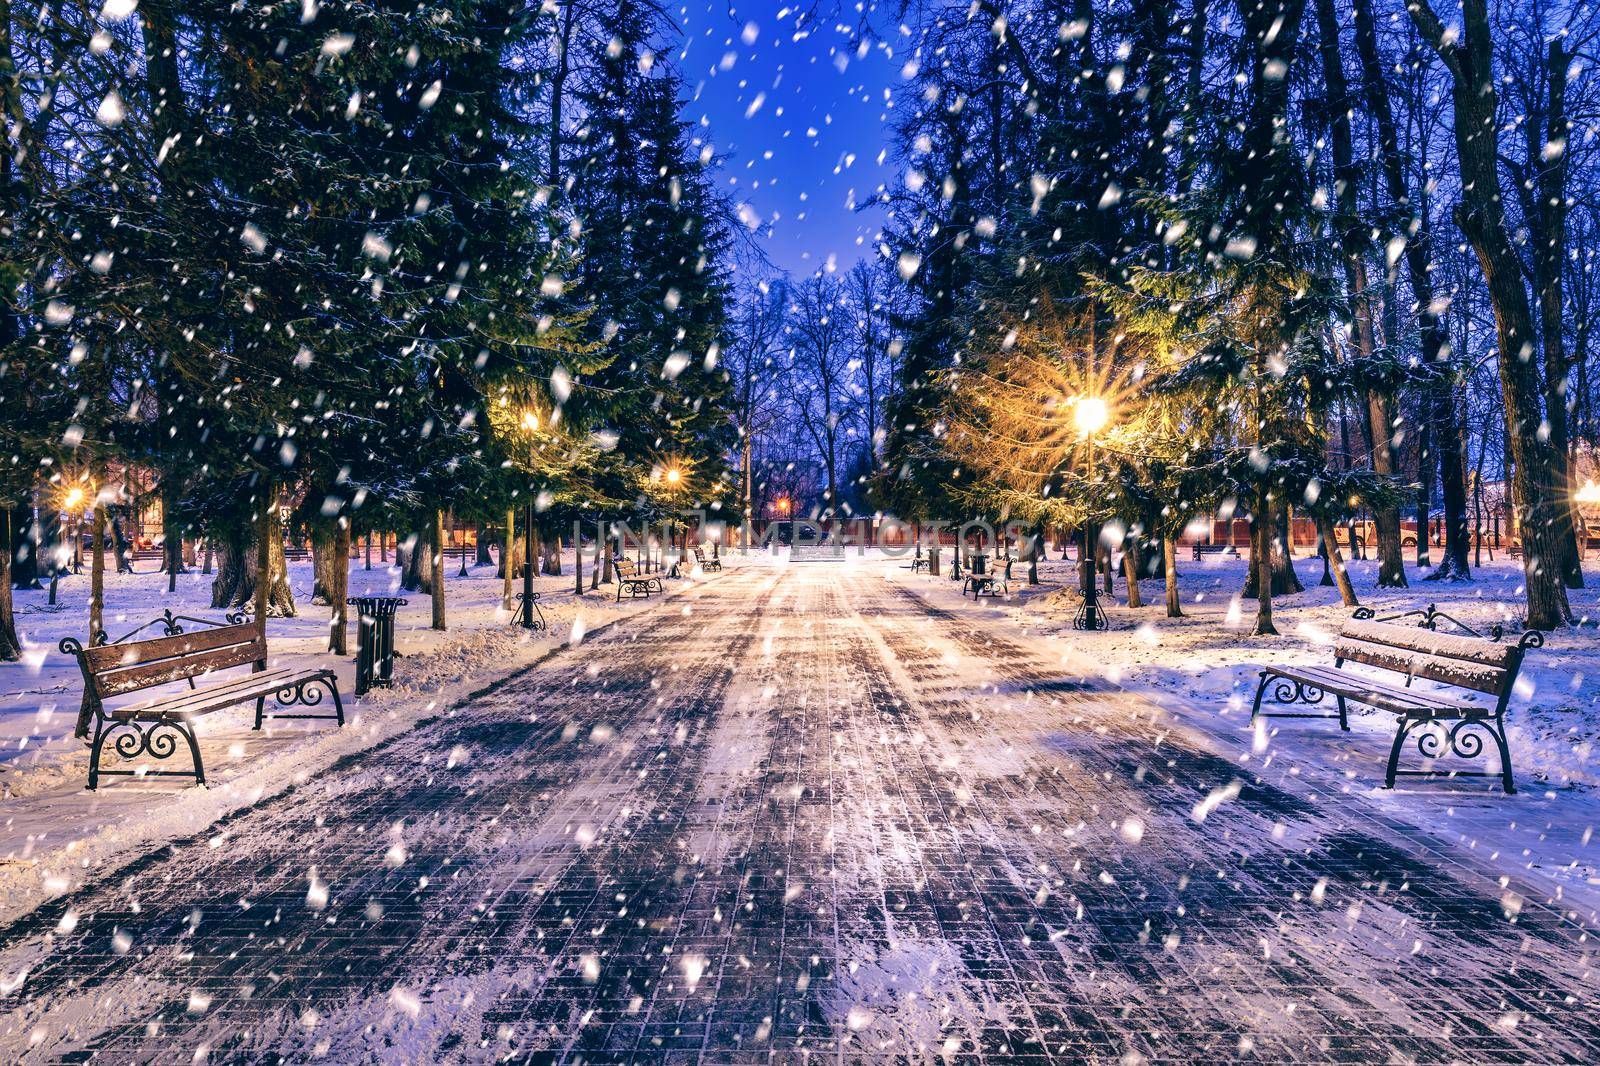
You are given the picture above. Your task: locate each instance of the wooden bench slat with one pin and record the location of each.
(1428, 642)
(1371, 691)
(136, 653)
(1459, 672)
(121, 681)
(186, 701)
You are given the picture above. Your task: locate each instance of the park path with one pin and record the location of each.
(800, 812)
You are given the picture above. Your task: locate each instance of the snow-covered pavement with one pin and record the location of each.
(814, 809)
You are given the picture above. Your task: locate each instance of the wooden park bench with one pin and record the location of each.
(153, 725)
(1461, 664)
(980, 581)
(706, 564)
(1203, 548)
(629, 579)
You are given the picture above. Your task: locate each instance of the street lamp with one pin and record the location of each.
(1090, 414)
(530, 424)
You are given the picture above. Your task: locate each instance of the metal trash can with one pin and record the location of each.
(375, 640)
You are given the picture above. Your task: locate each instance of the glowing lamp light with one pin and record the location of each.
(1090, 414)
(783, 504)
(674, 475)
(530, 420)
(1590, 493)
(74, 499)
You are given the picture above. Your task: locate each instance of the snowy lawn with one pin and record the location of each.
(52, 830)
(1202, 669)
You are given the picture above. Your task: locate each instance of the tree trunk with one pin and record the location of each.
(437, 554)
(23, 546)
(97, 573)
(1425, 467)
(339, 591)
(1130, 570)
(552, 554)
(414, 556)
(230, 577)
(1169, 560)
(325, 564)
(172, 536)
(10, 646)
(1549, 222)
(1341, 576)
(1481, 217)
(508, 563)
(1353, 240)
(1261, 564)
(482, 558)
(577, 559)
(278, 597)
(239, 568)
(1285, 581)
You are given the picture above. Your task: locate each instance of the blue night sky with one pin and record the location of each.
(798, 118)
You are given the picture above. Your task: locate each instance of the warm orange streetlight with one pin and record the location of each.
(1090, 414)
(674, 475)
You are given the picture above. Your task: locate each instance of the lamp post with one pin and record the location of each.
(672, 477)
(530, 424)
(1090, 414)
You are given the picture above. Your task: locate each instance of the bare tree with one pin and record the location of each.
(1467, 55)
(756, 367)
(820, 374)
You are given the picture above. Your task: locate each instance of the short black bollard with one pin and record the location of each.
(375, 641)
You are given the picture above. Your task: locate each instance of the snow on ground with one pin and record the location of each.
(1210, 656)
(53, 831)
(1202, 669)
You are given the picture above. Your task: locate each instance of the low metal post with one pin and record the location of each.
(527, 570)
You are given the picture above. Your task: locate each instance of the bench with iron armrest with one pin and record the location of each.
(634, 583)
(1463, 663)
(153, 726)
(980, 581)
(1202, 549)
(706, 564)
(984, 585)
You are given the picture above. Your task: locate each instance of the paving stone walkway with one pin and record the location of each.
(799, 814)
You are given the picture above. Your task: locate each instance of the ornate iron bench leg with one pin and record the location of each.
(187, 730)
(261, 708)
(94, 751)
(1344, 718)
(1400, 733)
(1255, 708)
(1499, 730)
(338, 704)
